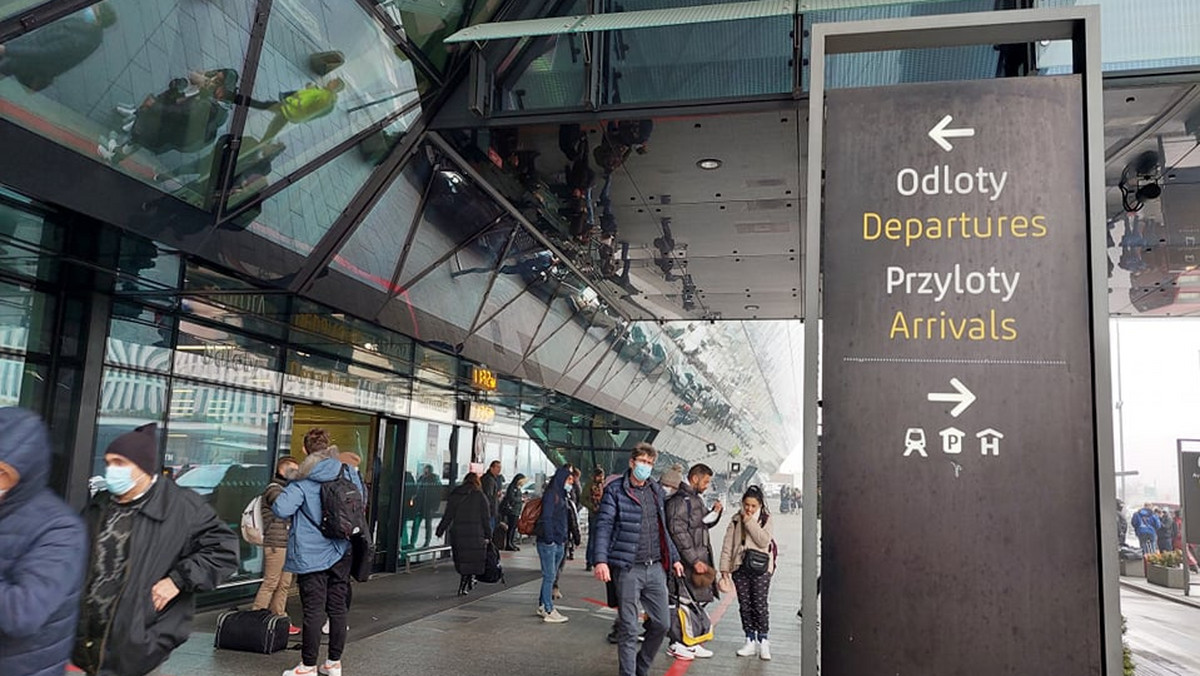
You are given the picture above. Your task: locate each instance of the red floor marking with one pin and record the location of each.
(681, 666)
(602, 604)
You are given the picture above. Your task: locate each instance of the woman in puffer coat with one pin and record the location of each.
(468, 520)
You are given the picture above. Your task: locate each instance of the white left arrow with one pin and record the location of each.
(963, 397)
(940, 133)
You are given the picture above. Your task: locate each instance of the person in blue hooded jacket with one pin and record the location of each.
(43, 549)
(552, 530)
(321, 565)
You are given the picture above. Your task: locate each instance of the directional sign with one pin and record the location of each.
(963, 397)
(957, 383)
(940, 133)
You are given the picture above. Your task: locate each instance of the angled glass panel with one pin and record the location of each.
(11, 7)
(548, 72)
(427, 22)
(327, 71)
(514, 274)
(569, 297)
(450, 295)
(146, 87)
(371, 254)
(456, 211)
(913, 65)
(299, 216)
(698, 61)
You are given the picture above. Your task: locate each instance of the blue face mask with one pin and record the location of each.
(642, 471)
(119, 479)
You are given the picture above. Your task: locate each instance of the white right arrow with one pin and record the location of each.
(940, 133)
(963, 397)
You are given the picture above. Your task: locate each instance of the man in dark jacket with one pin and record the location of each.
(43, 547)
(632, 537)
(689, 520)
(38, 57)
(154, 545)
(273, 592)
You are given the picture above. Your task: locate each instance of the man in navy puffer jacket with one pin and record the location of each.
(632, 538)
(43, 549)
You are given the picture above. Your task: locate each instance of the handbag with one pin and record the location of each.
(754, 562)
(690, 624)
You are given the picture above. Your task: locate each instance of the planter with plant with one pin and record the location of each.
(1165, 569)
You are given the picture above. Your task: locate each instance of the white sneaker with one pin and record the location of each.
(680, 652)
(701, 652)
(301, 670)
(764, 650)
(542, 611)
(330, 668)
(325, 627)
(555, 617)
(748, 650)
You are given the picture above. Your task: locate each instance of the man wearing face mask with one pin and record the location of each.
(43, 547)
(632, 537)
(154, 545)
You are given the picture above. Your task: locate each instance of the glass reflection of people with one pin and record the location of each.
(249, 174)
(535, 268)
(39, 56)
(303, 105)
(429, 499)
(184, 117)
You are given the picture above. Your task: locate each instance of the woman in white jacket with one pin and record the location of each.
(748, 558)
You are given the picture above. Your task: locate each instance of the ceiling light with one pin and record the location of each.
(709, 164)
(752, 307)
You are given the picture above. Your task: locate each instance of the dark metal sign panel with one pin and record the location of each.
(1189, 475)
(958, 461)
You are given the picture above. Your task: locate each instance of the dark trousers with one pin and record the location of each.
(753, 604)
(322, 594)
(510, 535)
(646, 583)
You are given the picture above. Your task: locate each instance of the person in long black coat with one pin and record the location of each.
(468, 520)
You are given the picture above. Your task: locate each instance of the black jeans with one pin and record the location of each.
(324, 593)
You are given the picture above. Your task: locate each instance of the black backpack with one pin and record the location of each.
(343, 508)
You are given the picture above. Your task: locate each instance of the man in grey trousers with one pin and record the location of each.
(632, 541)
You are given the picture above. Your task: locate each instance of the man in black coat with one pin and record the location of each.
(688, 521)
(38, 57)
(154, 545)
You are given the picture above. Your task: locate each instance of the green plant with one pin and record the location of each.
(1126, 653)
(1171, 559)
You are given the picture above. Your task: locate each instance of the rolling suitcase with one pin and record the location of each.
(255, 631)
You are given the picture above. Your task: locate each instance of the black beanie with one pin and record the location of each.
(139, 447)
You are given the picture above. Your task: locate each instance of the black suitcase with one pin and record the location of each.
(255, 631)
(493, 572)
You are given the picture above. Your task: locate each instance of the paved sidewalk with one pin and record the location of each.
(414, 624)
